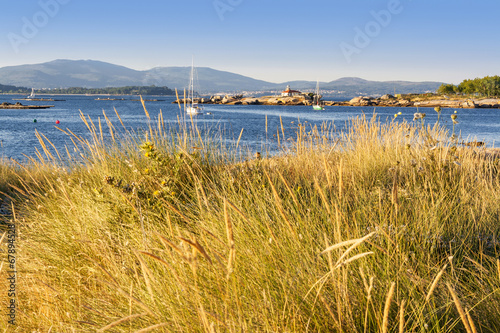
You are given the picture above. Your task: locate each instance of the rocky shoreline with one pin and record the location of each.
(391, 101)
(20, 106)
(384, 101)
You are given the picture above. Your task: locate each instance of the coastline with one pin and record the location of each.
(384, 101)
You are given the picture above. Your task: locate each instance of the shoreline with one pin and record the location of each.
(384, 101)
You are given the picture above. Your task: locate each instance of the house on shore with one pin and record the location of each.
(289, 92)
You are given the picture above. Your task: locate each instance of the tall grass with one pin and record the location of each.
(387, 227)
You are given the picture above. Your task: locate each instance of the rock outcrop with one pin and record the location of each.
(383, 101)
(19, 106)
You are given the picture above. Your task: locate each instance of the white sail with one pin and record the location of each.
(192, 106)
(32, 95)
(316, 101)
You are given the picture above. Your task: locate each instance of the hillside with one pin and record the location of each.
(97, 74)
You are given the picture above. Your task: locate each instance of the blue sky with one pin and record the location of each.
(273, 40)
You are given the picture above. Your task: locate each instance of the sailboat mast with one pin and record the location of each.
(191, 83)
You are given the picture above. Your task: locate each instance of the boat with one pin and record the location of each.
(32, 95)
(317, 105)
(192, 106)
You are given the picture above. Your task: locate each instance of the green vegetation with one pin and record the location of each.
(4, 89)
(386, 228)
(488, 86)
(129, 90)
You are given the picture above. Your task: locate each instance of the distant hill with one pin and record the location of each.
(98, 74)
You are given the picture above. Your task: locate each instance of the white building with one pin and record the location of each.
(289, 92)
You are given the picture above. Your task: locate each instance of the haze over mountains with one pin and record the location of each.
(97, 74)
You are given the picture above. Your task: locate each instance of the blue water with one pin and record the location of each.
(18, 139)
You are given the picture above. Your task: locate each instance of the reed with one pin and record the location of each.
(172, 231)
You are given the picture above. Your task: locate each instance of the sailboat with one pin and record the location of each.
(316, 101)
(32, 95)
(192, 107)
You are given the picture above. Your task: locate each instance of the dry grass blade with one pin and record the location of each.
(341, 179)
(119, 118)
(460, 309)
(356, 257)
(168, 244)
(498, 268)
(197, 247)
(471, 323)
(151, 328)
(434, 283)
(239, 138)
(329, 309)
(166, 203)
(240, 213)
(104, 270)
(3, 236)
(387, 306)
(230, 240)
(478, 265)
(178, 101)
(163, 262)
(277, 199)
(144, 107)
(348, 242)
(121, 320)
(402, 316)
(294, 198)
(124, 293)
(148, 275)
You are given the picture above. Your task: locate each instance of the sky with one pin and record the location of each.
(272, 40)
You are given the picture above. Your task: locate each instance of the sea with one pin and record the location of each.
(252, 127)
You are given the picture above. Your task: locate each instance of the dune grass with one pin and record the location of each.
(387, 227)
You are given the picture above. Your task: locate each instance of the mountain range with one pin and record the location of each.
(97, 74)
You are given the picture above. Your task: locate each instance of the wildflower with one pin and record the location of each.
(395, 115)
(156, 193)
(438, 110)
(146, 154)
(454, 116)
(163, 183)
(146, 171)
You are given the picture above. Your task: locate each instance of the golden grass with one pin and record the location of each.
(174, 233)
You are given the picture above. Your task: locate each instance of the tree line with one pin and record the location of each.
(6, 89)
(128, 90)
(487, 86)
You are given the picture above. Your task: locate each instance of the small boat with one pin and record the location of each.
(192, 107)
(32, 95)
(317, 105)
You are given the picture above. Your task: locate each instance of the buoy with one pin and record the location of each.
(34, 120)
(57, 121)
